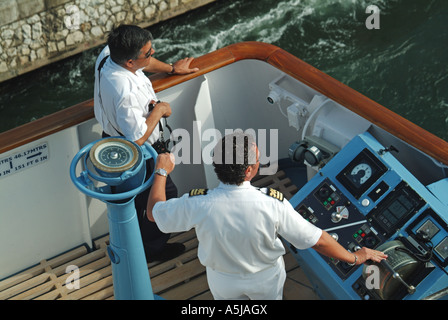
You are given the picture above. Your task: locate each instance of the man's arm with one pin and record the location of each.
(329, 247)
(157, 193)
(161, 110)
(179, 67)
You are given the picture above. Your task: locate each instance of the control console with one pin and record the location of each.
(364, 197)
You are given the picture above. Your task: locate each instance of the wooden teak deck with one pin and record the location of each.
(177, 279)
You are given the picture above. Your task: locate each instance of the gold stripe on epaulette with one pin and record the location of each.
(275, 194)
(198, 192)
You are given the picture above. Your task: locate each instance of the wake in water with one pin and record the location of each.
(300, 24)
(402, 65)
(215, 28)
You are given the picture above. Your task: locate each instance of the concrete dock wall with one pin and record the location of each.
(34, 33)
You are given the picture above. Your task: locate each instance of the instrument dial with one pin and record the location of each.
(114, 155)
(361, 173)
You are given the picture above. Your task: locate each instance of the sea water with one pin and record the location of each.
(402, 64)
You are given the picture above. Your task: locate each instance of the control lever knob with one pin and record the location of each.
(336, 217)
(396, 275)
(335, 236)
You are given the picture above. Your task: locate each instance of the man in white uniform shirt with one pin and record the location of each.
(125, 104)
(237, 225)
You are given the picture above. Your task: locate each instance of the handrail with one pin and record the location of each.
(277, 57)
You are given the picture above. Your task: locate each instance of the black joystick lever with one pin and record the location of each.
(396, 275)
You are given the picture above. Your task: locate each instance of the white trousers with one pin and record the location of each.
(264, 285)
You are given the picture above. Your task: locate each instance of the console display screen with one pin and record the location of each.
(397, 208)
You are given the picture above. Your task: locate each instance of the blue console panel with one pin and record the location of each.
(365, 197)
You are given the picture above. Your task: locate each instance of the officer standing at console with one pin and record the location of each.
(237, 225)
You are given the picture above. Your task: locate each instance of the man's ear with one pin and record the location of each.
(249, 172)
(129, 63)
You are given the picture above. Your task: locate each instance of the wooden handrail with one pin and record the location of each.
(46, 125)
(277, 57)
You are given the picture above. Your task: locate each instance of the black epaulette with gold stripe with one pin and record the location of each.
(275, 194)
(198, 192)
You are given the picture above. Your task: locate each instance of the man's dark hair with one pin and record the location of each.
(126, 41)
(232, 155)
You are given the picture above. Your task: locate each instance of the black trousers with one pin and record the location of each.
(153, 239)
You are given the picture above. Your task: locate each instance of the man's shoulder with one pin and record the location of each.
(115, 79)
(104, 53)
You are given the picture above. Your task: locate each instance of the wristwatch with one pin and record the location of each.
(161, 172)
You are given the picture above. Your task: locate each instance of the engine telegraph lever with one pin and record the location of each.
(396, 275)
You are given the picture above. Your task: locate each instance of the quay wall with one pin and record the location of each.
(34, 33)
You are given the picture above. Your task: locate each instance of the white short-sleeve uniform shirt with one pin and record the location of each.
(237, 227)
(122, 103)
